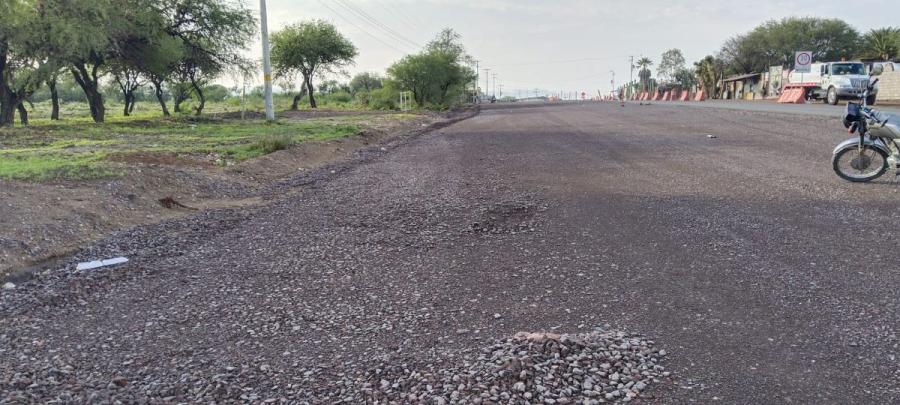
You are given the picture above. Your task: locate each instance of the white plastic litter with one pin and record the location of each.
(101, 263)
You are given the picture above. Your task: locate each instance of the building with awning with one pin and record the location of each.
(743, 87)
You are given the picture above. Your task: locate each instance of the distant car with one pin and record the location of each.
(833, 81)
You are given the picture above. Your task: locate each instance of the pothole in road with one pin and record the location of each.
(507, 218)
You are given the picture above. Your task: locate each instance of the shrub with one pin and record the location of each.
(273, 143)
(384, 99)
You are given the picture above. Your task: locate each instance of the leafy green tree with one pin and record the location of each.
(709, 71)
(310, 48)
(775, 43)
(670, 63)
(882, 43)
(24, 57)
(365, 82)
(438, 75)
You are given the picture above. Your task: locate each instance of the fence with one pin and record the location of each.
(889, 86)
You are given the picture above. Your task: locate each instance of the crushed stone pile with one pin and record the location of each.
(589, 368)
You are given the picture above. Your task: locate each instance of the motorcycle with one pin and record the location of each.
(875, 147)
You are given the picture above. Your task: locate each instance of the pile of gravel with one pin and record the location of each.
(597, 367)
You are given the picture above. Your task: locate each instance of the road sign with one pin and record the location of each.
(802, 62)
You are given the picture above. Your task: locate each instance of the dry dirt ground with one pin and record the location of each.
(764, 277)
(42, 221)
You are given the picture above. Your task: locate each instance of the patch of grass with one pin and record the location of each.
(78, 150)
(53, 167)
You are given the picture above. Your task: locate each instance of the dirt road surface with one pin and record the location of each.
(764, 277)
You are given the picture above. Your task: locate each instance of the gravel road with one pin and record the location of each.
(645, 260)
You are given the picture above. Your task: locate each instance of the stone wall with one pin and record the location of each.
(889, 86)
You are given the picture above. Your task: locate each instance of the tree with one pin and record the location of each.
(670, 63)
(775, 43)
(437, 75)
(644, 64)
(709, 71)
(882, 43)
(24, 61)
(365, 82)
(310, 48)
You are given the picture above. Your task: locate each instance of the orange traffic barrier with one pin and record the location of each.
(793, 95)
(700, 96)
(657, 96)
(667, 96)
(685, 95)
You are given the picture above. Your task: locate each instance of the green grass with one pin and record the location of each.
(79, 149)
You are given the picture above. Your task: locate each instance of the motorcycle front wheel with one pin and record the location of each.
(853, 164)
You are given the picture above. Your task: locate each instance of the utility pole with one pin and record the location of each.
(631, 72)
(267, 63)
(494, 90)
(487, 78)
(613, 81)
(475, 98)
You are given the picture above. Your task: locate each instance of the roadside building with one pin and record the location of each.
(744, 87)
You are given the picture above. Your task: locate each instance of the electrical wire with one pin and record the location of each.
(347, 20)
(374, 22)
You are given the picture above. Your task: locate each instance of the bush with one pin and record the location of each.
(338, 97)
(384, 99)
(362, 98)
(273, 143)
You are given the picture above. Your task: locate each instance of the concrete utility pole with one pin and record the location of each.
(487, 78)
(631, 67)
(494, 90)
(475, 99)
(613, 81)
(267, 63)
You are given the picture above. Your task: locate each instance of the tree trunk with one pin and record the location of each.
(7, 110)
(127, 110)
(23, 113)
(91, 86)
(7, 106)
(199, 91)
(54, 99)
(299, 96)
(157, 86)
(311, 91)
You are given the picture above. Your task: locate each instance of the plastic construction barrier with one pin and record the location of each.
(667, 96)
(685, 96)
(700, 96)
(793, 95)
(656, 96)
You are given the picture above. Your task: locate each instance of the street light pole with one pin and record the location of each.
(267, 63)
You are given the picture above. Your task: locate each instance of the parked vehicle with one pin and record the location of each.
(834, 81)
(875, 147)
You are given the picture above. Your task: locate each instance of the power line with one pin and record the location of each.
(552, 62)
(347, 20)
(402, 17)
(366, 17)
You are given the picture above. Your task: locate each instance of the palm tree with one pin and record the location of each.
(882, 43)
(644, 74)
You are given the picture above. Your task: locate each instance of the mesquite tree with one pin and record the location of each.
(310, 48)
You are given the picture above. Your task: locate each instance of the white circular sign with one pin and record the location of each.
(804, 58)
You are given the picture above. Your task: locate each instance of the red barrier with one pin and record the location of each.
(793, 95)
(700, 96)
(667, 96)
(685, 95)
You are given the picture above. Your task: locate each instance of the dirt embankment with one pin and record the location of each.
(41, 221)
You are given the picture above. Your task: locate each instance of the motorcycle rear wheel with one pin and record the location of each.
(857, 166)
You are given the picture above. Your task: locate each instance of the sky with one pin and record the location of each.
(561, 45)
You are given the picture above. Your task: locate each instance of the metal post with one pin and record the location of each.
(267, 63)
(475, 100)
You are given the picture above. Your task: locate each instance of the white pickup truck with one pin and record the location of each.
(833, 81)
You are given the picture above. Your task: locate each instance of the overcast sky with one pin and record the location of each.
(564, 45)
